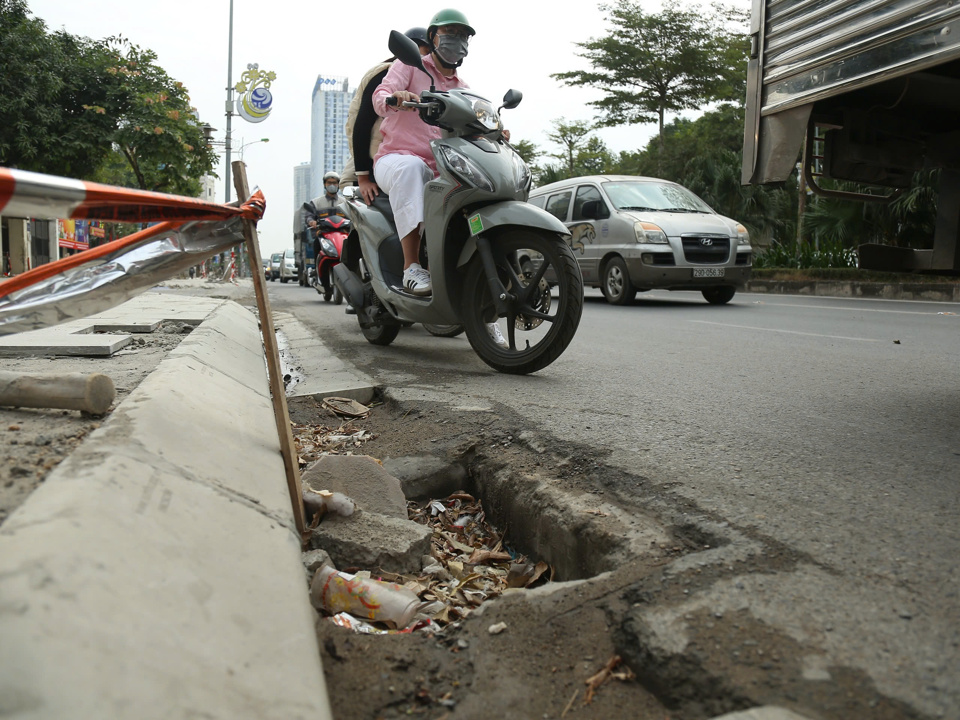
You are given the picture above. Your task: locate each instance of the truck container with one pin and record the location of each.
(879, 82)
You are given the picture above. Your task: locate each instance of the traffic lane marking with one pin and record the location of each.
(858, 309)
(788, 332)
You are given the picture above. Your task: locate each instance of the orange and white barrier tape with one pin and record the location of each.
(105, 276)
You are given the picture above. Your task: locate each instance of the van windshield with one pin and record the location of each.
(648, 196)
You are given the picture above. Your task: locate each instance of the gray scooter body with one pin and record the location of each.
(454, 214)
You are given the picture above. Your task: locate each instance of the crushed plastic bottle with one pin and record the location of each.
(364, 598)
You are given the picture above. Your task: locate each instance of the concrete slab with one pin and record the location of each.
(362, 479)
(141, 314)
(323, 374)
(156, 571)
(373, 541)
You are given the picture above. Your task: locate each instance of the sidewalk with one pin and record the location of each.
(157, 571)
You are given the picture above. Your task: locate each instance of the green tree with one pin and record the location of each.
(76, 106)
(527, 150)
(654, 64)
(569, 136)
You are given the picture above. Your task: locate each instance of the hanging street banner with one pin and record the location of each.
(255, 101)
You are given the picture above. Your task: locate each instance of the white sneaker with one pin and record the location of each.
(497, 336)
(416, 280)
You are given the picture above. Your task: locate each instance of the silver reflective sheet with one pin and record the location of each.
(113, 279)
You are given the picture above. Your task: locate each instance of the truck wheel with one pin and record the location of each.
(617, 288)
(720, 295)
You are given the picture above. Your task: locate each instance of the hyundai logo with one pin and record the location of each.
(706, 241)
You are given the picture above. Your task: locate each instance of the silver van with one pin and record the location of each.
(633, 234)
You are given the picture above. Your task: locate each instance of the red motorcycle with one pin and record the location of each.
(332, 229)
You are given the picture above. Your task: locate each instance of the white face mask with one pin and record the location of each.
(451, 48)
(332, 189)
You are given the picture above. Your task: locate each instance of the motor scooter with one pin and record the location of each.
(331, 231)
(493, 258)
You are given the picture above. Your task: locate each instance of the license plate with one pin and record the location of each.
(707, 272)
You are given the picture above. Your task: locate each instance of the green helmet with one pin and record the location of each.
(449, 17)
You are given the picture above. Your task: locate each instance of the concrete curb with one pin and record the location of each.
(157, 571)
(938, 292)
(323, 373)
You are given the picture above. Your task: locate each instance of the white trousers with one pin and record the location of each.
(403, 177)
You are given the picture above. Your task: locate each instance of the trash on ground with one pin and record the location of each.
(468, 565)
(594, 682)
(363, 597)
(497, 628)
(319, 503)
(345, 407)
(313, 441)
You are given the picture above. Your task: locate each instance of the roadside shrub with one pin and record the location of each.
(804, 255)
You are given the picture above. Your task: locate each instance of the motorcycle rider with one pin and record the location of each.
(363, 124)
(404, 163)
(312, 208)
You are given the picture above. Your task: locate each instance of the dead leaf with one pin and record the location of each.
(483, 557)
(594, 682)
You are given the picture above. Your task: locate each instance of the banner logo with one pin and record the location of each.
(255, 100)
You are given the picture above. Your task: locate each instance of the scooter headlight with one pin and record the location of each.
(328, 247)
(465, 169)
(521, 173)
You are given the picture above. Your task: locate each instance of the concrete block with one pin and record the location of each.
(423, 477)
(371, 541)
(362, 479)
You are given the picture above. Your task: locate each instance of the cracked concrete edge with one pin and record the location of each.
(157, 569)
(323, 374)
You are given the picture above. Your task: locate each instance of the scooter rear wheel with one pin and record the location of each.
(537, 327)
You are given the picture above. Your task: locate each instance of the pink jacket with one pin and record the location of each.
(404, 132)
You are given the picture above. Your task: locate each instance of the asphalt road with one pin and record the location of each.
(829, 425)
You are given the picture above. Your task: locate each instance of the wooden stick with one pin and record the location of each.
(280, 411)
(69, 391)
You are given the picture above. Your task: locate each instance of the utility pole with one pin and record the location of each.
(802, 189)
(229, 106)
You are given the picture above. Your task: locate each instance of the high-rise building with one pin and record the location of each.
(301, 185)
(328, 139)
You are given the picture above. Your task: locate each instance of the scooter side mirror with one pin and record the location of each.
(512, 98)
(407, 52)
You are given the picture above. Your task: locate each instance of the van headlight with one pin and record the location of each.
(743, 237)
(465, 169)
(647, 232)
(521, 173)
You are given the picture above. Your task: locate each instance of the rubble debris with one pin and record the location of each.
(497, 628)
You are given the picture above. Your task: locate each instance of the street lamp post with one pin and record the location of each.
(252, 142)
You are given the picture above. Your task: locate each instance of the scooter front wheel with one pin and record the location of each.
(536, 327)
(381, 334)
(337, 296)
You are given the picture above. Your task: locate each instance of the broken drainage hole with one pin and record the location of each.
(469, 563)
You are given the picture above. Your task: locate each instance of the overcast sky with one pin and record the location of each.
(518, 46)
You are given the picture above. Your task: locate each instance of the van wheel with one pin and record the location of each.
(719, 295)
(617, 288)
